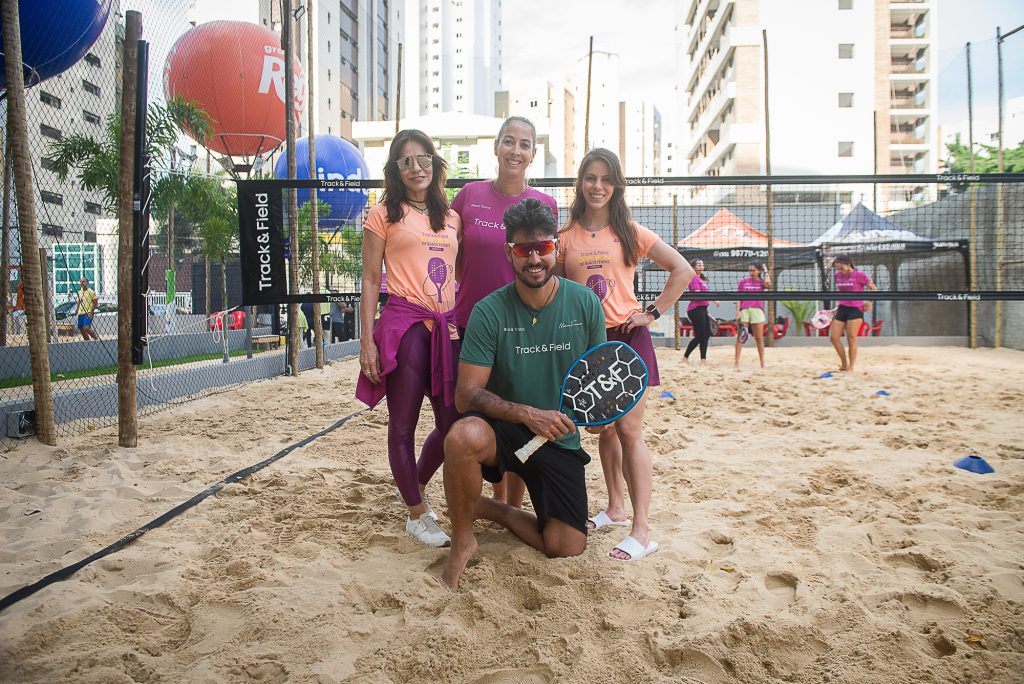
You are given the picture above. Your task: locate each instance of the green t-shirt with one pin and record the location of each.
(528, 361)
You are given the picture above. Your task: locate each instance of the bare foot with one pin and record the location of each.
(703, 362)
(686, 359)
(458, 558)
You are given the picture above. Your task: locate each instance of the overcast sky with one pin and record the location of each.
(543, 37)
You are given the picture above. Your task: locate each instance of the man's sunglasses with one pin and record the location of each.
(541, 247)
(408, 163)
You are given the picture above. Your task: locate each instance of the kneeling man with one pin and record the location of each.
(518, 345)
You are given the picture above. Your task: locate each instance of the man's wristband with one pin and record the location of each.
(653, 310)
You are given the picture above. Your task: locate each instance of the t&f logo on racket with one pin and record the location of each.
(600, 387)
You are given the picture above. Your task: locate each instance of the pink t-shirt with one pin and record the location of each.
(697, 284)
(485, 267)
(420, 263)
(749, 284)
(854, 281)
(594, 258)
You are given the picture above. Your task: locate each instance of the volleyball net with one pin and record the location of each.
(920, 237)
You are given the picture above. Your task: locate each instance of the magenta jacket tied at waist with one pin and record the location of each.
(398, 316)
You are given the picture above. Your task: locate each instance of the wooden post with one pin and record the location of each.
(31, 268)
(5, 242)
(769, 230)
(997, 339)
(675, 241)
(127, 411)
(314, 219)
(293, 201)
(972, 307)
(586, 120)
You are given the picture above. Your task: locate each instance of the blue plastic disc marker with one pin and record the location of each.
(825, 375)
(975, 464)
(881, 393)
(667, 395)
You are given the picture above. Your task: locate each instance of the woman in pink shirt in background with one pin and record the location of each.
(481, 266)
(697, 312)
(850, 313)
(751, 312)
(600, 247)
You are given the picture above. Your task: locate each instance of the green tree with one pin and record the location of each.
(96, 163)
(985, 158)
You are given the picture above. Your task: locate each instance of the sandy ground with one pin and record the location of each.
(810, 531)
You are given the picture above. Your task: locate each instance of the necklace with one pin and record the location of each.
(535, 313)
(413, 203)
(594, 231)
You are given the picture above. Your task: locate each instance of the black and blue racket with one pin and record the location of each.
(600, 387)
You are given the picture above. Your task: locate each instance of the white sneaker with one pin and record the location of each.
(426, 504)
(426, 530)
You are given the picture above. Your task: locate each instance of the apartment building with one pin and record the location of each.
(842, 74)
(452, 56)
(355, 58)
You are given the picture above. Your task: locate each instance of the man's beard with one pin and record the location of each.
(521, 277)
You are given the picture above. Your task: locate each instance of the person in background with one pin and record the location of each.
(850, 313)
(303, 323)
(697, 312)
(412, 349)
(751, 312)
(338, 319)
(307, 309)
(86, 309)
(481, 267)
(600, 247)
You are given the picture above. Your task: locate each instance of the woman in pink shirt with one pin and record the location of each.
(600, 247)
(482, 267)
(751, 312)
(412, 349)
(697, 312)
(850, 313)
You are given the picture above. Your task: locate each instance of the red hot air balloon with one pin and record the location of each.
(234, 70)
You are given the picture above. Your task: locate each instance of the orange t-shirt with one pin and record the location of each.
(420, 262)
(594, 258)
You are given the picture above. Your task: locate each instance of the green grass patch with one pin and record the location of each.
(112, 369)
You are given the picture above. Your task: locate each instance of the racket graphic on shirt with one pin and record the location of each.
(600, 387)
(437, 273)
(600, 286)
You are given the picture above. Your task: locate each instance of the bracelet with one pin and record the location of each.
(653, 310)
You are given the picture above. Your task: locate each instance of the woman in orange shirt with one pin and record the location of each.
(600, 247)
(412, 350)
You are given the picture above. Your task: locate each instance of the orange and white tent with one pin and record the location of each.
(725, 230)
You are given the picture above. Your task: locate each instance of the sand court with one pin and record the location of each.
(810, 531)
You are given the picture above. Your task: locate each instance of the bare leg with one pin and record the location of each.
(611, 466)
(558, 540)
(739, 348)
(852, 328)
(636, 462)
(469, 444)
(515, 490)
(499, 490)
(758, 331)
(835, 336)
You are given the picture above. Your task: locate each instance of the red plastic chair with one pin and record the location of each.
(864, 329)
(876, 328)
(781, 329)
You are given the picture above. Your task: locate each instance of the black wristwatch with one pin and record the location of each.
(653, 310)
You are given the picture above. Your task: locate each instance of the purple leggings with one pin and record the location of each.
(406, 386)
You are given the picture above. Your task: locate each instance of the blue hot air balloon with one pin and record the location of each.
(55, 35)
(336, 159)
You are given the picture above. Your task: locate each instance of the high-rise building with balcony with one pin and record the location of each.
(452, 56)
(852, 86)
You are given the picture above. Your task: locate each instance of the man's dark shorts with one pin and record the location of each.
(554, 476)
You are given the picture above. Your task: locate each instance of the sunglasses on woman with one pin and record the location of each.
(409, 163)
(524, 249)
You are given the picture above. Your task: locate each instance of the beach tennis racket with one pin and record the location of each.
(600, 387)
(437, 272)
(822, 319)
(743, 334)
